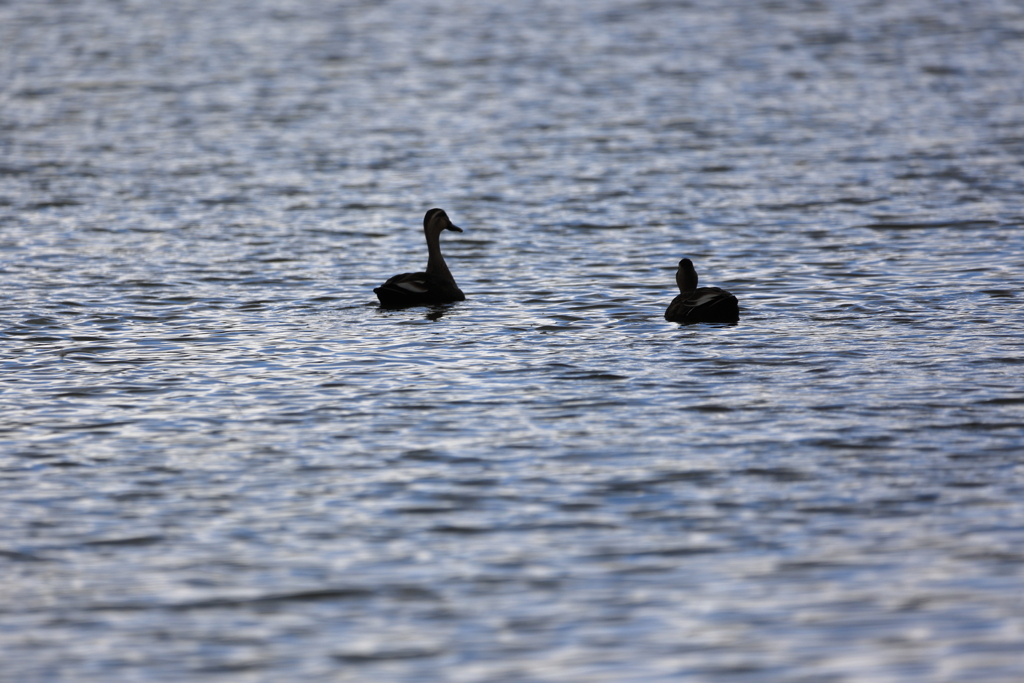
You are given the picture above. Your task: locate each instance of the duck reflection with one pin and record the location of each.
(436, 312)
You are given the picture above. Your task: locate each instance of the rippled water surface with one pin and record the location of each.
(221, 461)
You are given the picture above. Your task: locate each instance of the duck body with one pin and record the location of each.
(703, 304)
(417, 289)
(435, 285)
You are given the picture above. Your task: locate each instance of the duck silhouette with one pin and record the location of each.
(703, 305)
(435, 285)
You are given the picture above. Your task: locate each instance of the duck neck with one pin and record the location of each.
(435, 262)
(686, 278)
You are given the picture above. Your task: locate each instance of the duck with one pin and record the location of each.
(435, 285)
(703, 305)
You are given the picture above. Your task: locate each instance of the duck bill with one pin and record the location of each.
(454, 228)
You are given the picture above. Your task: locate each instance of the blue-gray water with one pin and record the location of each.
(220, 461)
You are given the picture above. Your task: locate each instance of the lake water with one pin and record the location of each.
(221, 461)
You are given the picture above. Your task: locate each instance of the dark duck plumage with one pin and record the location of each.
(434, 286)
(704, 305)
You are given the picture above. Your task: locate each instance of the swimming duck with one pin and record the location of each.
(704, 305)
(436, 285)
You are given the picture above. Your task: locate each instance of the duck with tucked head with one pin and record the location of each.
(433, 286)
(703, 305)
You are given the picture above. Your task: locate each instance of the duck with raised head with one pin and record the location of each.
(703, 305)
(433, 286)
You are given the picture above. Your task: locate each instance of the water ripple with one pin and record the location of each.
(218, 456)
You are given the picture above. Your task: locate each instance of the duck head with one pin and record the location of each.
(437, 221)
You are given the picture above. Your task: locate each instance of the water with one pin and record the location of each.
(222, 462)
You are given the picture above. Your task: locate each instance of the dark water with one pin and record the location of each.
(219, 460)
